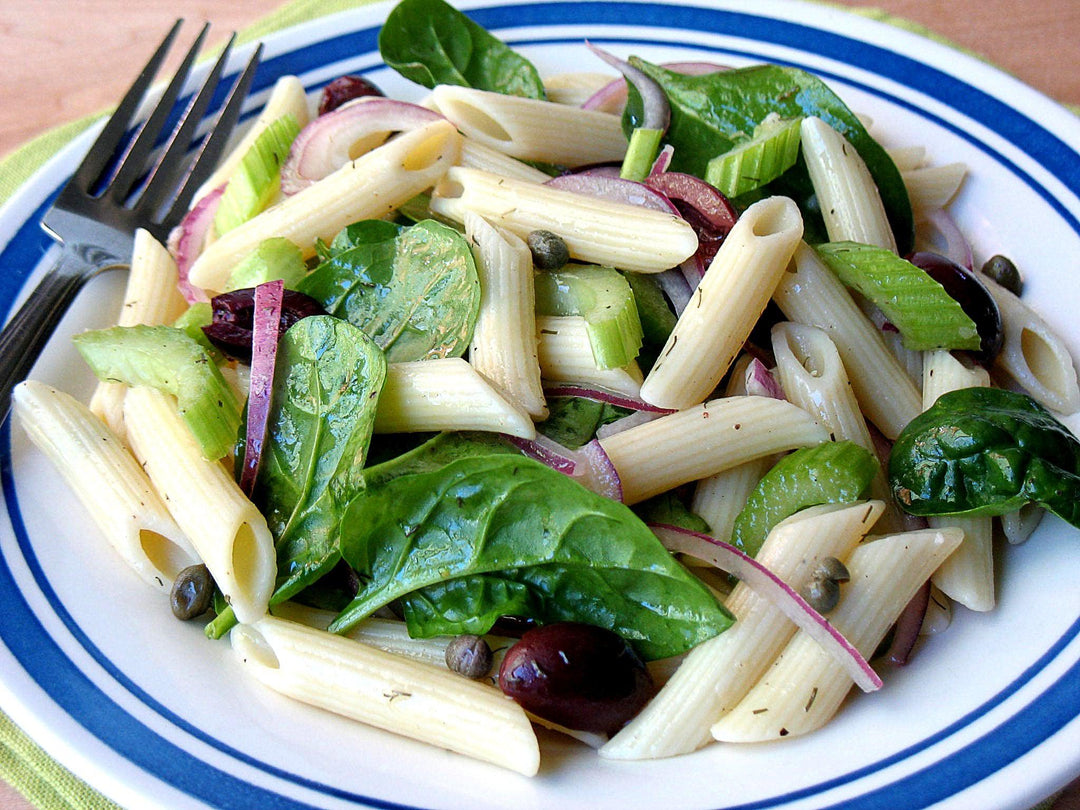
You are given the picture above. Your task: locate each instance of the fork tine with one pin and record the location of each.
(132, 163)
(100, 155)
(164, 176)
(214, 145)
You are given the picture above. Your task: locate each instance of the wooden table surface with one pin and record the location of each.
(62, 59)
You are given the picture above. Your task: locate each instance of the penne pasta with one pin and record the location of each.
(726, 304)
(813, 295)
(931, 187)
(388, 691)
(804, 687)
(228, 532)
(445, 394)
(847, 196)
(566, 356)
(595, 230)
(107, 480)
(369, 187)
(477, 155)
(503, 347)
(530, 129)
(704, 440)
(718, 673)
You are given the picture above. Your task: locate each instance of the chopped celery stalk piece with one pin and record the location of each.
(256, 180)
(657, 318)
(274, 258)
(640, 153)
(604, 299)
(926, 316)
(771, 151)
(192, 321)
(166, 358)
(833, 472)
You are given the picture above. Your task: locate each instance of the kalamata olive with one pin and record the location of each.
(343, 89)
(577, 675)
(968, 291)
(234, 315)
(470, 656)
(1001, 269)
(192, 591)
(549, 251)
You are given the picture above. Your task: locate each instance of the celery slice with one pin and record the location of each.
(771, 151)
(274, 258)
(640, 153)
(602, 296)
(926, 316)
(167, 359)
(257, 178)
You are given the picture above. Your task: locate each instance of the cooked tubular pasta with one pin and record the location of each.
(804, 687)
(933, 186)
(908, 158)
(477, 155)
(726, 304)
(286, 98)
(228, 532)
(967, 576)
(576, 88)
(108, 481)
(388, 691)
(1017, 526)
(847, 195)
(151, 297)
(367, 188)
(719, 498)
(445, 394)
(595, 230)
(718, 673)
(503, 345)
(813, 295)
(1034, 355)
(704, 440)
(530, 129)
(566, 356)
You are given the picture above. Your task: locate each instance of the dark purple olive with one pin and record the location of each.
(343, 89)
(234, 315)
(577, 675)
(968, 291)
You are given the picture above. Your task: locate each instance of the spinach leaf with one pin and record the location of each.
(413, 290)
(712, 113)
(430, 42)
(327, 382)
(437, 452)
(986, 451)
(670, 510)
(573, 421)
(580, 555)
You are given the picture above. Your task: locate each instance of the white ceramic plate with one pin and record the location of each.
(95, 668)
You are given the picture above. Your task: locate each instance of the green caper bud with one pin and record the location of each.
(470, 656)
(1004, 272)
(192, 591)
(823, 594)
(831, 568)
(549, 251)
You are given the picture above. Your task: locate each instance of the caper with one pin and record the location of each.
(470, 656)
(191, 592)
(831, 568)
(1004, 272)
(823, 594)
(549, 251)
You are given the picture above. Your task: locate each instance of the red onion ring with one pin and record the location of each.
(656, 112)
(906, 632)
(778, 593)
(264, 343)
(599, 183)
(600, 395)
(951, 241)
(187, 240)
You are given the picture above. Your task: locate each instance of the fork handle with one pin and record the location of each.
(26, 334)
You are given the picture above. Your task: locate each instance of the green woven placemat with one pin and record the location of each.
(23, 764)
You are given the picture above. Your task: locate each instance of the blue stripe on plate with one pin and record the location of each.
(73, 691)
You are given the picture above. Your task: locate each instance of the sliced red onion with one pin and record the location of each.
(663, 160)
(946, 238)
(611, 98)
(678, 287)
(187, 240)
(598, 183)
(600, 474)
(589, 465)
(707, 211)
(760, 382)
(600, 395)
(694, 68)
(547, 451)
(633, 420)
(769, 586)
(326, 144)
(655, 110)
(264, 343)
(906, 632)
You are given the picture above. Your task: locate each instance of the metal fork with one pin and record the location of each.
(113, 193)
